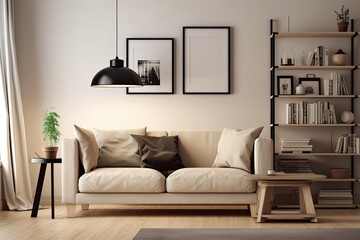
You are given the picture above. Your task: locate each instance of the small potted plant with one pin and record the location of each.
(343, 19)
(51, 133)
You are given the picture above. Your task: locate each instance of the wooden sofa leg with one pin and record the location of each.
(253, 210)
(84, 206)
(70, 210)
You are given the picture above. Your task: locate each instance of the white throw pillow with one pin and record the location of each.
(236, 147)
(118, 148)
(89, 150)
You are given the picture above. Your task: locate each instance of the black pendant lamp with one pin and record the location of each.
(116, 75)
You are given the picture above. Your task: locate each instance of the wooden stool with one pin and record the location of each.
(266, 195)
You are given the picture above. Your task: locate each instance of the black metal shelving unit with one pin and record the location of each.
(352, 35)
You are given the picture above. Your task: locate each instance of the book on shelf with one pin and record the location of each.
(335, 85)
(295, 166)
(337, 196)
(295, 145)
(295, 140)
(348, 143)
(310, 113)
(336, 191)
(318, 57)
(330, 201)
(294, 148)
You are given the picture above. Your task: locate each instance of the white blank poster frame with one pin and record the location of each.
(206, 60)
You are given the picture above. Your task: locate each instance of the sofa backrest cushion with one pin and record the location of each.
(235, 148)
(89, 151)
(197, 148)
(118, 148)
(156, 133)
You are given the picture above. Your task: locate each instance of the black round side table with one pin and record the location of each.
(40, 183)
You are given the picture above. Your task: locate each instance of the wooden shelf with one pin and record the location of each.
(315, 34)
(315, 125)
(315, 96)
(317, 154)
(293, 206)
(335, 205)
(336, 180)
(315, 67)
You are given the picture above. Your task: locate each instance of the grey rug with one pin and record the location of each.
(246, 234)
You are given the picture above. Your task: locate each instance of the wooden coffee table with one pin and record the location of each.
(266, 192)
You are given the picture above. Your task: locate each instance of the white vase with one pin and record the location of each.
(347, 117)
(300, 90)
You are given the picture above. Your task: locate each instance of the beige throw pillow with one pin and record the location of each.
(89, 151)
(118, 148)
(236, 147)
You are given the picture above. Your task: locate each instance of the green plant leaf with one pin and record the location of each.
(50, 127)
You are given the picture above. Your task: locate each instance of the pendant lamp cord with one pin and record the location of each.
(116, 30)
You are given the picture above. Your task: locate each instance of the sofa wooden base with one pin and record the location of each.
(71, 209)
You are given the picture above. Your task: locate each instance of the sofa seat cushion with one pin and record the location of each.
(209, 180)
(122, 180)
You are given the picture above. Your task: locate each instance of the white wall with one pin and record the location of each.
(61, 44)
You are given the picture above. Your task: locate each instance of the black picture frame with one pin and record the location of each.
(312, 85)
(156, 52)
(214, 67)
(285, 85)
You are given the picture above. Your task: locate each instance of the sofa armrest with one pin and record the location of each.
(263, 155)
(70, 170)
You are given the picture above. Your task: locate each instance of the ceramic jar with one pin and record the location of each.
(339, 58)
(300, 90)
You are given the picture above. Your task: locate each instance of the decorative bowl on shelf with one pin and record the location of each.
(339, 173)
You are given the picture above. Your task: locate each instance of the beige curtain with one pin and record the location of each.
(13, 150)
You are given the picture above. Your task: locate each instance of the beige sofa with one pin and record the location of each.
(197, 183)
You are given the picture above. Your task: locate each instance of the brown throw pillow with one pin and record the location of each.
(160, 153)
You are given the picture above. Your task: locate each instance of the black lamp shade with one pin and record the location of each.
(116, 76)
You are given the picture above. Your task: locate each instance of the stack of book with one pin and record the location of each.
(335, 197)
(295, 166)
(295, 145)
(310, 113)
(336, 85)
(348, 143)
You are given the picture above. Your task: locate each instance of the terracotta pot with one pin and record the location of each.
(50, 152)
(343, 26)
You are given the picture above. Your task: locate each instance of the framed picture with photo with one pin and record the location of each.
(153, 60)
(311, 85)
(285, 85)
